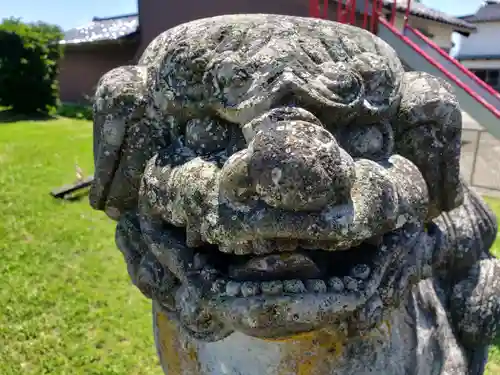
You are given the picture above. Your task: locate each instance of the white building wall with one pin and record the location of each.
(441, 33)
(481, 64)
(483, 42)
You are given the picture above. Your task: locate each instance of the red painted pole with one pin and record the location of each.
(374, 15)
(379, 13)
(365, 15)
(407, 13)
(314, 8)
(353, 12)
(393, 15)
(325, 9)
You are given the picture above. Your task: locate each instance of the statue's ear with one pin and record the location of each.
(427, 131)
(121, 141)
(152, 278)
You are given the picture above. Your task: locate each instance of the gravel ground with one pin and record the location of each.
(486, 177)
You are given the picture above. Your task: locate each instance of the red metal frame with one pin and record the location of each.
(457, 81)
(325, 9)
(365, 15)
(339, 11)
(393, 12)
(346, 13)
(314, 8)
(407, 13)
(374, 16)
(459, 66)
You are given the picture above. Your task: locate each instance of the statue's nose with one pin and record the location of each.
(299, 166)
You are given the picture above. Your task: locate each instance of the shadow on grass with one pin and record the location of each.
(76, 197)
(75, 111)
(10, 116)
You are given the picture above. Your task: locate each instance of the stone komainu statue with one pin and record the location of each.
(290, 200)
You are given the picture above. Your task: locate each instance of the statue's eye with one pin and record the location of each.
(375, 141)
(206, 135)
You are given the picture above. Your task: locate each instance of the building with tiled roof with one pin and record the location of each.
(480, 53)
(105, 43)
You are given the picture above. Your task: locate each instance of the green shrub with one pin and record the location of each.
(75, 111)
(29, 56)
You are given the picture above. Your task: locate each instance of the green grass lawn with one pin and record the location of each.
(66, 303)
(494, 359)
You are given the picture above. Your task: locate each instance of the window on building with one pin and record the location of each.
(490, 76)
(426, 32)
(480, 74)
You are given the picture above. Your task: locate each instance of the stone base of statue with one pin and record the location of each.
(415, 339)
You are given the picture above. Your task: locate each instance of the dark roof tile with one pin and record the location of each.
(488, 12)
(420, 10)
(102, 29)
(112, 28)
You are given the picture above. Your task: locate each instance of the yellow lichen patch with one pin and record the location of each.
(179, 356)
(310, 353)
(387, 324)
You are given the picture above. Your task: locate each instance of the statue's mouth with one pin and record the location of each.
(287, 290)
(275, 288)
(277, 291)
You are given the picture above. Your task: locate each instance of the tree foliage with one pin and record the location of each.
(29, 56)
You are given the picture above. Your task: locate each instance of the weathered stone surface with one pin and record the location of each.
(290, 199)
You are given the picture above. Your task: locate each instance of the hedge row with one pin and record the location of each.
(29, 56)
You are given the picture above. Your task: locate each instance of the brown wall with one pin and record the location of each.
(82, 67)
(156, 16)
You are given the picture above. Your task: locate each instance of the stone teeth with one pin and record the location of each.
(226, 249)
(294, 286)
(360, 271)
(351, 283)
(276, 287)
(218, 286)
(335, 284)
(209, 273)
(271, 287)
(243, 249)
(316, 286)
(233, 289)
(249, 288)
